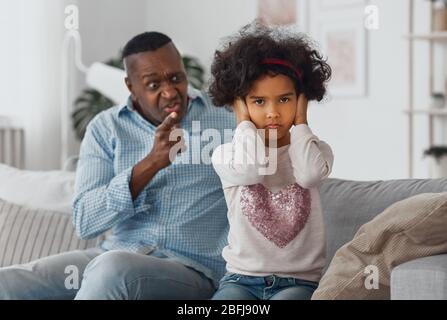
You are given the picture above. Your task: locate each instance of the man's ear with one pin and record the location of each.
(129, 86)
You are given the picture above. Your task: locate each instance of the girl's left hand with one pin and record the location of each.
(301, 110)
(241, 110)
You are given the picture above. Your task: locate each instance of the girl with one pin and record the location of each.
(276, 242)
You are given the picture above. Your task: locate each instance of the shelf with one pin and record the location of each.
(435, 36)
(432, 112)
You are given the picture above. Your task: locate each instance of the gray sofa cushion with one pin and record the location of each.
(27, 234)
(420, 279)
(347, 205)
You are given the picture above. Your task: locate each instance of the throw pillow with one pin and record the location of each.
(408, 229)
(27, 234)
(48, 190)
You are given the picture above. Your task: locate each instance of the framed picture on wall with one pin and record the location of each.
(343, 41)
(339, 4)
(277, 12)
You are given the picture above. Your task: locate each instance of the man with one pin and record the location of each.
(168, 217)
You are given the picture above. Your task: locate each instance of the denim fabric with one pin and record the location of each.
(241, 287)
(110, 275)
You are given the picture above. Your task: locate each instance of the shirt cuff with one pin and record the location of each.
(300, 131)
(244, 125)
(118, 193)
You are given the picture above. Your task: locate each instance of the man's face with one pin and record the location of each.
(158, 84)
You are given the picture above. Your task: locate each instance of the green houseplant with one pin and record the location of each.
(91, 102)
(437, 156)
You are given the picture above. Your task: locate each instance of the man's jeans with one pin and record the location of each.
(105, 275)
(240, 287)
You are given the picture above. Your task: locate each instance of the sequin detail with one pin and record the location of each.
(278, 216)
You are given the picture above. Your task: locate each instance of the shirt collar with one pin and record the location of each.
(193, 94)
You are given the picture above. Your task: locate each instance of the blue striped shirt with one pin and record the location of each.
(181, 212)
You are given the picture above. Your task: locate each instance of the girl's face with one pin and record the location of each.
(271, 103)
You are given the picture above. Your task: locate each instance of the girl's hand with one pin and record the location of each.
(301, 110)
(241, 110)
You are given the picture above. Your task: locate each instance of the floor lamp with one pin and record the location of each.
(108, 80)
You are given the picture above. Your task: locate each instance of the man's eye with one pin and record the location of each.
(284, 100)
(177, 78)
(152, 85)
(259, 102)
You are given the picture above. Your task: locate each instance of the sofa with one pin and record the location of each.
(347, 205)
(35, 221)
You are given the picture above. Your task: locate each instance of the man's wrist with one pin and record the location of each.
(142, 173)
(151, 164)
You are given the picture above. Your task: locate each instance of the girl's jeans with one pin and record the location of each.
(240, 287)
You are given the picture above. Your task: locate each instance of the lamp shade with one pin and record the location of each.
(109, 81)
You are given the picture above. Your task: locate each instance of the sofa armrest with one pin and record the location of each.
(420, 279)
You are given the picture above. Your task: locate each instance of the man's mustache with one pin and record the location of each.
(172, 102)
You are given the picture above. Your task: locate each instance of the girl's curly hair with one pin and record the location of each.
(240, 62)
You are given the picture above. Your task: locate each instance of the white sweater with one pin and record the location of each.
(276, 222)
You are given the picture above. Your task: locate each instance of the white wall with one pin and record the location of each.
(31, 49)
(196, 26)
(368, 134)
(9, 75)
(30, 85)
(106, 25)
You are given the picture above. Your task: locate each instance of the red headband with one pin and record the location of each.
(285, 64)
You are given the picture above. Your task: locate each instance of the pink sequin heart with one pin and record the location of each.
(278, 216)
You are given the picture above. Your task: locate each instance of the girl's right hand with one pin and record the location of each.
(241, 110)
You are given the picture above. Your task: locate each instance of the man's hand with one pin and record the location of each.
(241, 110)
(301, 110)
(158, 158)
(160, 153)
